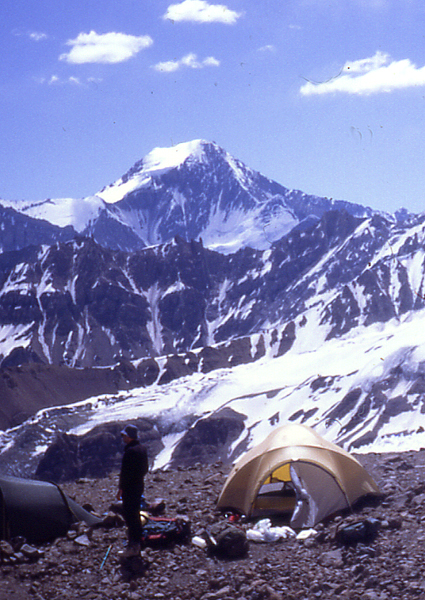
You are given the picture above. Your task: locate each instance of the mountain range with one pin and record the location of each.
(209, 300)
(192, 190)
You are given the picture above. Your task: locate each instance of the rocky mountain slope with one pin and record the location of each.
(79, 304)
(387, 566)
(332, 309)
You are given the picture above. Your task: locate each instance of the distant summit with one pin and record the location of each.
(157, 162)
(193, 190)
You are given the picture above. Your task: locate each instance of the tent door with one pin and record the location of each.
(276, 495)
(300, 493)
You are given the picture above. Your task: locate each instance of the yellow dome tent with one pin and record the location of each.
(295, 473)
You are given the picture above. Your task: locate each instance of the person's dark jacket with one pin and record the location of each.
(134, 467)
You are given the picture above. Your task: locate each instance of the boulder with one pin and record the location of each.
(209, 439)
(95, 454)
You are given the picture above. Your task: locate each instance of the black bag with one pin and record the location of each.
(363, 531)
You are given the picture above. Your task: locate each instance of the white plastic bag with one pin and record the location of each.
(263, 531)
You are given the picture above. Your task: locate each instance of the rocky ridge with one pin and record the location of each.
(82, 305)
(78, 320)
(85, 564)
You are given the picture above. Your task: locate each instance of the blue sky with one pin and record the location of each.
(326, 96)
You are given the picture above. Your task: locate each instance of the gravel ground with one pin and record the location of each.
(320, 567)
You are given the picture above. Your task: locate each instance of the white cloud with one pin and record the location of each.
(168, 66)
(37, 36)
(189, 60)
(55, 80)
(210, 61)
(104, 48)
(366, 64)
(267, 48)
(72, 80)
(199, 11)
(373, 75)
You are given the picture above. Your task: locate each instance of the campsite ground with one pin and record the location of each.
(389, 567)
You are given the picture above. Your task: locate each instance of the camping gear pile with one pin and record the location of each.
(294, 475)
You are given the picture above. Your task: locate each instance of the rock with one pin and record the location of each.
(395, 523)
(18, 557)
(17, 542)
(332, 559)
(386, 568)
(112, 520)
(371, 595)
(6, 549)
(95, 454)
(82, 540)
(209, 439)
(31, 552)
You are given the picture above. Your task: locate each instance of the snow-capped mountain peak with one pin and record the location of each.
(62, 212)
(157, 162)
(161, 159)
(193, 190)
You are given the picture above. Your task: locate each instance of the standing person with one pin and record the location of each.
(134, 467)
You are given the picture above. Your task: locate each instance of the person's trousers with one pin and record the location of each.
(131, 514)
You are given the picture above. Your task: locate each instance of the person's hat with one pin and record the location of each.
(131, 431)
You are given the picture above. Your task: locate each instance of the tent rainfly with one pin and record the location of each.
(296, 474)
(37, 510)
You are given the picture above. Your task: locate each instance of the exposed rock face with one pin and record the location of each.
(180, 309)
(208, 441)
(28, 388)
(19, 231)
(98, 453)
(32, 386)
(199, 197)
(101, 306)
(82, 305)
(82, 317)
(95, 454)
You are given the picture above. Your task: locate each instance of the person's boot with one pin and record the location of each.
(132, 549)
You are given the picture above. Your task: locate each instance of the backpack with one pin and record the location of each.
(158, 532)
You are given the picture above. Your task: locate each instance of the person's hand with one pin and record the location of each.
(119, 494)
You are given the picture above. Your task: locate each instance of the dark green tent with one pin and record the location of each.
(37, 510)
